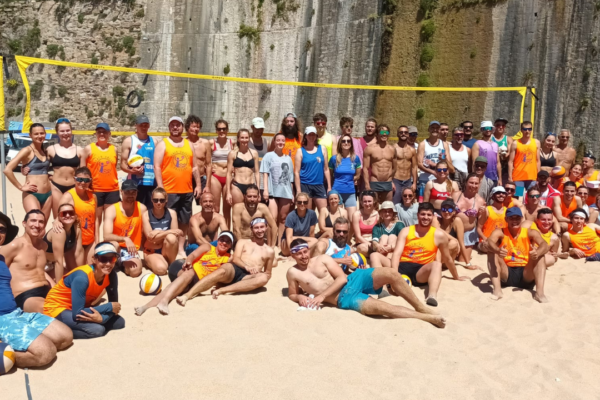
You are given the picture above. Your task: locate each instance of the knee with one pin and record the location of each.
(94, 331)
(171, 239)
(264, 278)
(160, 270)
(64, 335)
(46, 356)
(119, 323)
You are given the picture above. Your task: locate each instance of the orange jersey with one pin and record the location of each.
(209, 262)
(525, 161)
(587, 240)
(546, 236)
(59, 298)
(566, 210)
(103, 165)
(291, 147)
(130, 227)
(86, 212)
(494, 221)
(420, 250)
(517, 248)
(176, 167)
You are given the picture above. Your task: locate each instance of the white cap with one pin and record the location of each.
(487, 124)
(175, 119)
(498, 189)
(258, 123)
(310, 129)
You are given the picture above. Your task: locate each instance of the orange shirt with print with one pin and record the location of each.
(176, 167)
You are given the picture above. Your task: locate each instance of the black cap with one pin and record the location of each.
(129, 184)
(501, 120)
(449, 203)
(543, 173)
(11, 230)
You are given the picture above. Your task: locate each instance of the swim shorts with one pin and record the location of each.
(107, 198)
(410, 269)
(357, 290)
(515, 279)
(314, 191)
(174, 269)
(471, 237)
(381, 186)
(41, 291)
(19, 329)
(240, 273)
(144, 195)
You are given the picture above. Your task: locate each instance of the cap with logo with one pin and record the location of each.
(142, 119)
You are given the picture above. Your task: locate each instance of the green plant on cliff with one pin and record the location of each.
(427, 30)
(423, 81)
(283, 8)
(52, 50)
(528, 78)
(427, 54)
(227, 69)
(15, 46)
(118, 91)
(52, 94)
(128, 42)
(53, 115)
(94, 60)
(473, 53)
(266, 115)
(250, 33)
(420, 113)
(62, 91)
(581, 150)
(427, 7)
(12, 85)
(80, 18)
(20, 96)
(389, 6)
(307, 46)
(584, 103)
(140, 13)
(587, 72)
(35, 90)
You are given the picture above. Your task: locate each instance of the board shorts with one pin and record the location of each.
(471, 237)
(240, 273)
(181, 203)
(41, 291)
(411, 269)
(174, 269)
(314, 191)
(125, 256)
(515, 279)
(357, 290)
(381, 186)
(19, 329)
(107, 198)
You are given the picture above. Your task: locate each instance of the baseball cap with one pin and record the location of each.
(104, 248)
(142, 119)
(129, 184)
(449, 203)
(434, 123)
(501, 120)
(290, 113)
(511, 212)
(310, 129)
(543, 173)
(11, 230)
(175, 119)
(258, 123)
(487, 124)
(104, 126)
(498, 189)
(481, 159)
(412, 129)
(386, 205)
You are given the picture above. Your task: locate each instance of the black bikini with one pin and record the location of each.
(69, 242)
(547, 162)
(59, 161)
(239, 163)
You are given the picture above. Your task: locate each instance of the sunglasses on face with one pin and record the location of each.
(221, 129)
(403, 132)
(500, 125)
(61, 120)
(510, 190)
(500, 194)
(486, 129)
(442, 170)
(83, 180)
(302, 202)
(346, 141)
(414, 134)
(447, 209)
(320, 123)
(68, 213)
(407, 196)
(107, 259)
(385, 133)
(565, 137)
(225, 240)
(534, 196)
(3, 230)
(526, 129)
(340, 231)
(161, 201)
(458, 135)
(481, 166)
(468, 127)
(348, 126)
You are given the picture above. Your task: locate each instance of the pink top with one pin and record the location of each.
(366, 229)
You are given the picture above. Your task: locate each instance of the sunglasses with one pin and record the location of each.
(341, 231)
(384, 132)
(403, 132)
(467, 127)
(321, 123)
(509, 190)
(221, 129)
(534, 196)
(407, 196)
(482, 166)
(414, 134)
(161, 201)
(565, 137)
(83, 180)
(526, 129)
(459, 135)
(442, 170)
(346, 141)
(61, 120)
(65, 214)
(348, 126)
(447, 209)
(303, 202)
(368, 193)
(486, 129)
(3, 230)
(500, 194)
(107, 259)
(224, 239)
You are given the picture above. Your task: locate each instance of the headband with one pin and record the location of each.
(258, 220)
(229, 235)
(578, 214)
(298, 247)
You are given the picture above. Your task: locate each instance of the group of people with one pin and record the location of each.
(359, 215)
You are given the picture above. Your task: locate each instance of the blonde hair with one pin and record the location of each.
(448, 181)
(338, 157)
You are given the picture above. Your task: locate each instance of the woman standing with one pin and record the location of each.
(242, 169)
(364, 220)
(221, 147)
(278, 174)
(407, 210)
(441, 188)
(64, 247)
(37, 192)
(310, 170)
(346, 168)
(546, 153)
(329, 214)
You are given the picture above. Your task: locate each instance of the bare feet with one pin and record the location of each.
(497, 295)
(163, 308)
(215, 293)
(436, 320)
(140, 310)
(181, 300)
(540, 298)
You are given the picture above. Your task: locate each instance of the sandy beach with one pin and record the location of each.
(257, 346)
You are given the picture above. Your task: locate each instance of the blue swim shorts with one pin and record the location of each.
(19, 329)
(357, 290)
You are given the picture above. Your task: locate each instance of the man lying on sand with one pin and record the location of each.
(323, 277)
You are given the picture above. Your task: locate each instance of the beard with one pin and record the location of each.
(290, 132)
(339, 241)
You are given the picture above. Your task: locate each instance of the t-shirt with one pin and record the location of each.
(301, 226)
(280, 172)
(407, 216)
(344, 174)
(485, 187)
(379, 230)
(469, 143)
(7, 299)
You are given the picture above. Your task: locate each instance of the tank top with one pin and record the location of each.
(239, 163)
(7, 299)
(145, 149)
(327, 141)
(587, 241)
(209, 262)
(130, 227)
(500, 143)
(366, 229)
(525, 165)
(219, 154)
(460, 159)
(494, 221)
(261, 151)
(311, 170)
(516, 247)
(291, 147)
(176, 167)
(419, 250)
(59, 298)
(549, 161)
(334, 251)
(103, 164)
(58, 161)
(567, 210)
(329, 224)
(489, 150)
(162, 224)
(69, 242)
(431, 153)
(546, 236)
(86, 212)
(37, 166)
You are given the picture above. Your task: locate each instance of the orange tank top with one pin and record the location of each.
(546, 236)
(494, 221)
(291, 147)
(59, 298)
(86, 212)
(567, 210)
(130, 227)
(517, 248)
(587, 240)
(525, 161)
(176, 167)
(419, 250)
(209, 262)
(103, 165)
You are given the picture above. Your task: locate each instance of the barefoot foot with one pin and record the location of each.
(181, 300)
(437, 320)
(163, 308)
(215, 293)
(540, 298)
(140, 310)
(497, 295)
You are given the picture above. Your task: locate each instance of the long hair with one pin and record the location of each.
(297, 124)
(338, 157)
(237, 142)
(76, 223)
(448, 181)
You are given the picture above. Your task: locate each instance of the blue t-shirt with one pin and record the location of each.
(311, 169)
(344, 174)
(469, 143)
(7, 299)
(301, 226)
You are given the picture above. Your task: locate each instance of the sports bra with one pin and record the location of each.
(37, 166)
(547, 161)
(59, 161)
(162, 224)
(366, 229)
(69, 242)
(470, 212)
(437, 195)
(239, 163)
(219, 155)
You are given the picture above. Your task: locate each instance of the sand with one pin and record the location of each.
(257, 346)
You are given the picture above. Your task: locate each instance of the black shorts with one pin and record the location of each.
(410, 269)
(181, 203)
(515, 279)
(174, 269)
(314, 191)
(144, 195)
(107, 198)
(41, 291)
(202, 186)
(240, 273)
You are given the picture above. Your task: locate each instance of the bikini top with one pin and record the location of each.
(471, 212)
(328, 223)
(437, 195)
(59, 161)
(37, 166)
(219, 155)
(239, 163)
(69, 242)
(549, 161)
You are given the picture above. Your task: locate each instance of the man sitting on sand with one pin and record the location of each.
(26, 258)
(243, 213)
(581, 241)
(205, 225)
(250, 267)
(184, 274)
(337, 247)
(513, 261)
(323, 278)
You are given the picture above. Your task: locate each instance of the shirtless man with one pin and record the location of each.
(380, 159)
(205, 225)
(406, 165)
(26, 259)
(562, 206)
(324, 279)
(471, 205)
(565, 155)
(202, 156)
(249, 268)
(245, 212)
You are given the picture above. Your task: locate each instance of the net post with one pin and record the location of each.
(2, 131)
(533, 97)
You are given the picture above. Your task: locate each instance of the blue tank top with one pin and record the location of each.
(7, 300)
(311, 169)
(144, 148)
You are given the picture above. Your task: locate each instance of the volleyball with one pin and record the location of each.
(8, 358)
(558, 171)
(358, 261)
(135, 161)
(150, 284)
(407, 279)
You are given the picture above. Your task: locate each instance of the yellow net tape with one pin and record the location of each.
(24, 62)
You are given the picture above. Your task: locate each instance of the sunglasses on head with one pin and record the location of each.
(341, 231)
(3, 230)
(304, 202)
(345, 141)
(526, 129)
(320, 123)
(61, 120)
(447, 209)
(368, 193)
(82, 180)
(534, 196)
(442, 170)
(107, 259)
(161, 201)
(67, 213)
